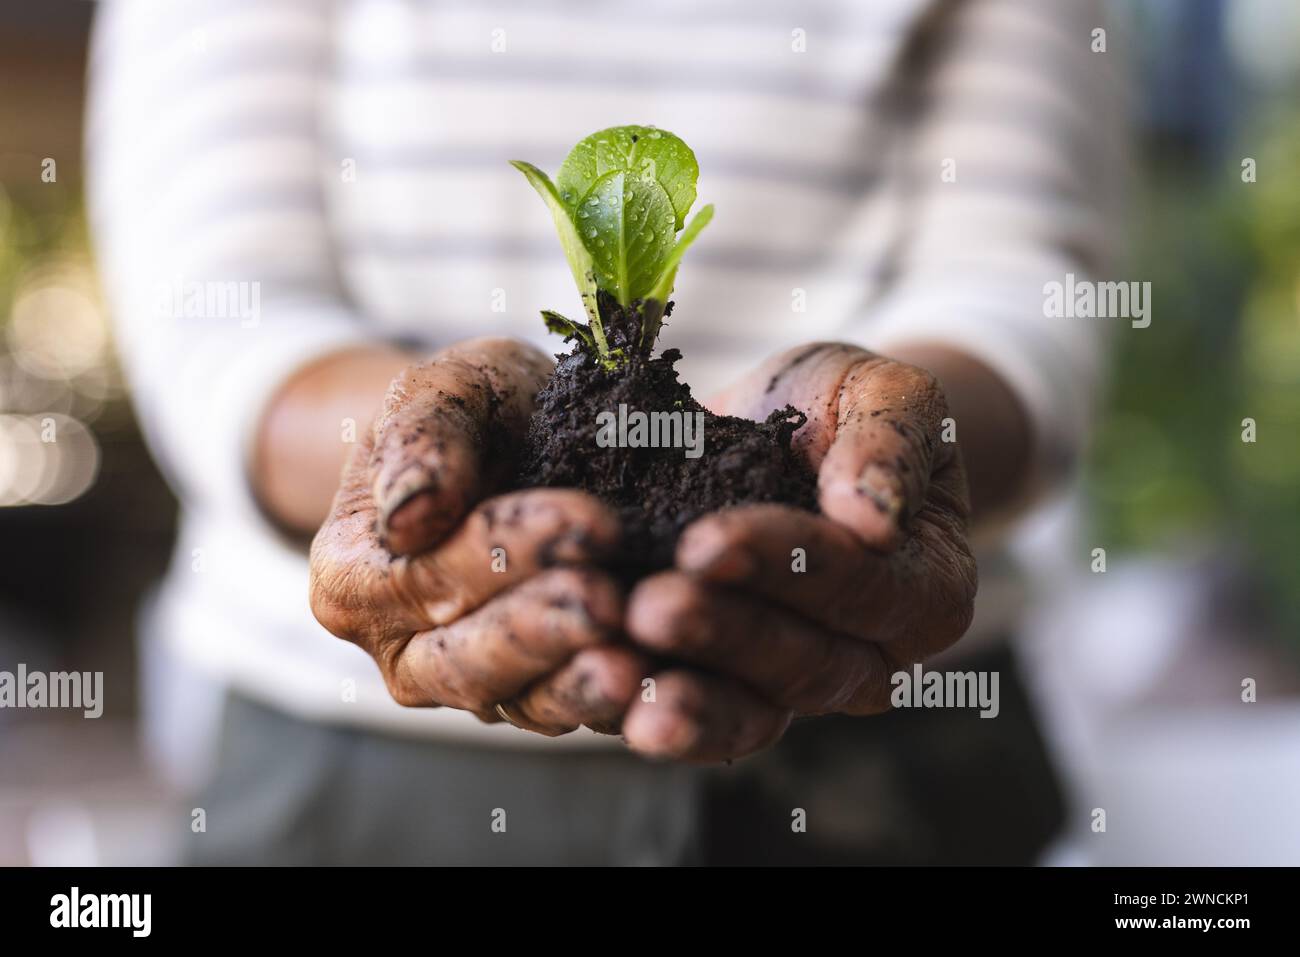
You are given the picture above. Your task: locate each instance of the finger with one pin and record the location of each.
(503, 542)
(701, 718)
(793, 558)
(593, 689)
(788, 660)
(874, 477)
(807, 378)
(446, 435)
(872, 433)
(919, 597)
(493, 654)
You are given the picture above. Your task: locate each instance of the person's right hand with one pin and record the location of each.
(465, 602)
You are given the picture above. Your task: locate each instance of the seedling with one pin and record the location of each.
(620, 202)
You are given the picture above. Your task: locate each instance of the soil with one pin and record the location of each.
(657, 491)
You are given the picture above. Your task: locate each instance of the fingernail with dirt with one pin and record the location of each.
(411, 514)
(884, 489)
(402, 490)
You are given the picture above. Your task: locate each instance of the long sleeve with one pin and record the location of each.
(209, 219)
(1009, 179)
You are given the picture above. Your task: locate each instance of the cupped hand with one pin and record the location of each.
(464, 600)
(775, 612)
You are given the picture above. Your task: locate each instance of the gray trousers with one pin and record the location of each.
(292, 792)
(909, 787)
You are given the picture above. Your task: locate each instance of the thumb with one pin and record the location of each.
(876, 473)
(446, 434)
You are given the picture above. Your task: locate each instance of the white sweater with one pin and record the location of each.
(884, 171)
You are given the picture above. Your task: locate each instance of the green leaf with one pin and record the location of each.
(652, 311)
(567, 328)
(627, 225)
(644, 150)
(662, 287)
(575, 251)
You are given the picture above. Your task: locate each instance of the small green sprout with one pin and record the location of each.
(619, 203)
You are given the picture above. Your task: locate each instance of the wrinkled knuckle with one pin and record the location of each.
(970, 579)
(403, 693)
(956, 615)
(422, 599)
(403, 686)
(959, 619)
(966, 575)
(335, 614)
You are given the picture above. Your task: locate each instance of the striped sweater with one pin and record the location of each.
(271, 180)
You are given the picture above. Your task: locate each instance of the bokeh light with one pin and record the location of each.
(47, 459)
(56, 327)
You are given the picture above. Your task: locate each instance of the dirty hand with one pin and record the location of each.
(886, 580)
(464, 602)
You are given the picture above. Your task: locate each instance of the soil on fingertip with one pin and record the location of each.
(657, 491)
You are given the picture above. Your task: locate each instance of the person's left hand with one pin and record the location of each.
(888, 578)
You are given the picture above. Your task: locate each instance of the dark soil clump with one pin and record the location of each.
(657, 491)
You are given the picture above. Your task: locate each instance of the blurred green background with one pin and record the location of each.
(1169, 471)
